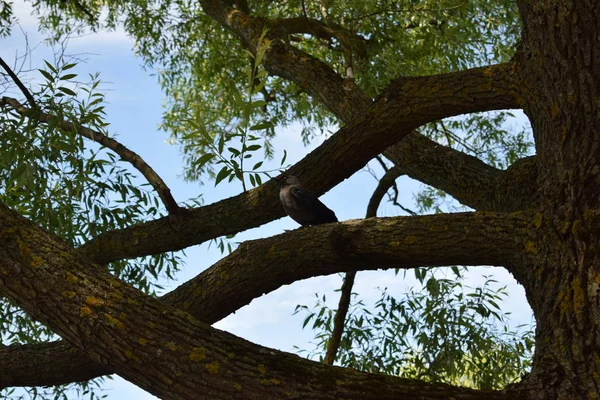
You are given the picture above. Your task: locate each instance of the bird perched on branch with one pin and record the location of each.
(302, 205)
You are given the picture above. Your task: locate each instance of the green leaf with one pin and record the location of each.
(253, 147)
(50, 66)
(67, 91)
(205, 158)
(223, 173)
(261, 126)
(46, 75)
(284, 157)
(67, 77)
(68, 66)
(221, 144)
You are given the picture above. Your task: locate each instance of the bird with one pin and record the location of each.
(301, 204)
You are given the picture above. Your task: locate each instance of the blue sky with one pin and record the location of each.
(134, 111)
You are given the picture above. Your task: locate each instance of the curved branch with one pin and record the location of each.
(385, 183)
(19, 84)
(401, 242)
(126, 330)
(466, 178)
(323, 30)
(346, 292)
(133, 158)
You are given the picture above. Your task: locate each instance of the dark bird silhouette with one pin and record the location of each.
(302, 205)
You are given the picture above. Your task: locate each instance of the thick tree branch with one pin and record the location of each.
(401, 242)
(411, 103)
(128, 331)
(133, 158)
(324, 30)
(466, 178)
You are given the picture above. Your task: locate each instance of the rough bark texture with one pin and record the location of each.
(561, 55)
(171, 354)
(549, 240)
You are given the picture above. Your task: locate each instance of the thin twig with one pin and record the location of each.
(82, 8)
(346, 292)
(133, 158)
(18, 82)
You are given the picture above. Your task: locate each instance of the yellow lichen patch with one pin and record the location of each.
(410, 240)
(237, 386)
(339, 382)
(94, 301)
(576, 226)
(171, 346)
(394, 244)
(85, 311)
(539, 272)
(197, 354)
(272, 252)
(589, 214)
(116, 296)
(578, 296)
(489, 72)
(438, 228)
(142, 341)
(566, 307)
(72, 278)
(224, 276)
(25, 250)
(36, 261)
(114, 321)
(212, 367)
(531, 248)
(230, 355)
(130, 356)
(537, 220)
(270, 381)
(69, 294)
(262, 369)
(133, 302)
(554, 111)
(166, 380)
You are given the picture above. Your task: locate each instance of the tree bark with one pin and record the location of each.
(172, 355)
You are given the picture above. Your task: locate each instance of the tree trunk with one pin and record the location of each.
(561, 74)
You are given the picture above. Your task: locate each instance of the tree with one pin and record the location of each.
(537, 218)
